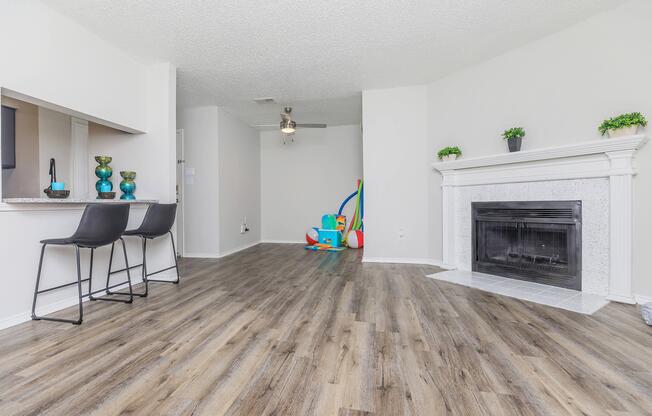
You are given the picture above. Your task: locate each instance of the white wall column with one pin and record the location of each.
(620, 225)
(448, 231)
(79, 158)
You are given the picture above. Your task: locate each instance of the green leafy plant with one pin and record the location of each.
(449, 150)
(623, 120)
(514, 133)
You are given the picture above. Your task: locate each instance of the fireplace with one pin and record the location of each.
(535, 241)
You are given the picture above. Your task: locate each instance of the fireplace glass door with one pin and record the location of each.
(501, 243)
(528, 243)
(546, 247)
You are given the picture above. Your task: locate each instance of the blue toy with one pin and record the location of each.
(333, 231)
(332, 238)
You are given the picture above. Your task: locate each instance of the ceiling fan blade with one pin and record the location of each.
(312, 125)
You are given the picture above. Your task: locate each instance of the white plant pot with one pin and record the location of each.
(449, 158)
(624, 131)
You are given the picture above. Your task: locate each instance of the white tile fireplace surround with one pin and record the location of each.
(598, 173)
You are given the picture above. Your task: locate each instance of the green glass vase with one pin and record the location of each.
(128, 186)
(104, 172)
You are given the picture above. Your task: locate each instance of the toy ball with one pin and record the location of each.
(355, 239)
(312, 236)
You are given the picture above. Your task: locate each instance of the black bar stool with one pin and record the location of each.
(158, 222)
(100, 225)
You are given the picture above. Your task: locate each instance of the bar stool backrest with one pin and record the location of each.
(158, 220)
(101, 224)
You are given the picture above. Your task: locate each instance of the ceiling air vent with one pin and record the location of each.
(265, 100)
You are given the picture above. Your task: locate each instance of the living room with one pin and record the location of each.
(341, 208)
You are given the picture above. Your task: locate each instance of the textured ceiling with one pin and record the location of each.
(319, 54)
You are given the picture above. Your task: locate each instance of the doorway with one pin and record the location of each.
(180, 197)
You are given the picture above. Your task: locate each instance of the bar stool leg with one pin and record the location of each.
(176, 266)
(143, 272)
(79, 292)
(79, 288)
(108, 275)
(38, 280)
(174, 253)
(144, 269)
(90, 277)
(124, 251)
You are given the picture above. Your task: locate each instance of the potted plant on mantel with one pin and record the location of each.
(449, 153)
(623, 125)
(514, 137)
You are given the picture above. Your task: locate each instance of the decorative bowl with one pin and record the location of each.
(106, 195)
(62, 194)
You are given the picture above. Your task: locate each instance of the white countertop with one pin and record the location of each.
(75, 201)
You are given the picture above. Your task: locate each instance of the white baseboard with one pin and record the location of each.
(642, 299)
(235, 250)
(220, 255)
(19, 318)
(191, 255)
(284, 242)
(622, 299)
(391, 260)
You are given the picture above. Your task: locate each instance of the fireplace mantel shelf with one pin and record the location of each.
(629, 143)
(594, 159)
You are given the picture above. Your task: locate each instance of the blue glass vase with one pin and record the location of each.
(104, 172)
(128, 186)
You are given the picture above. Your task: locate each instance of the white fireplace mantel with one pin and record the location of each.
(608, 158)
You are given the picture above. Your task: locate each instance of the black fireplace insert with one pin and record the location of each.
(535, 241)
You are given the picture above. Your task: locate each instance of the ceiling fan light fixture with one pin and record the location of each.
(288, 126)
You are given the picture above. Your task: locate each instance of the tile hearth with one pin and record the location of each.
(572, 300)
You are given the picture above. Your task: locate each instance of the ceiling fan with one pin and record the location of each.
(288, 126)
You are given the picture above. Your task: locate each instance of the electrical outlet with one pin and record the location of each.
(401, 234)
(243, 226)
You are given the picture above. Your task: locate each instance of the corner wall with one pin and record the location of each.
(201, 209)
(396, 174)
(239, 182)
(559, 88)
(224, 154)
(303, 180)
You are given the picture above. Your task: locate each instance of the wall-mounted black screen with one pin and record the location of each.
(8, 138)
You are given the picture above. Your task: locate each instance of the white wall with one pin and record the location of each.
(23, 181)
(559, 88)
(396, 173)
(91, 77)
(55, 134)
(304, 180)
(151, 155)
(201, 209)
(239, 182)
(59, 61)
(224, 154)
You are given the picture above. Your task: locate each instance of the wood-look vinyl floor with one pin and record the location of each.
(277, 330)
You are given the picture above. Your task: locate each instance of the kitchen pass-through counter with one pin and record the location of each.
(75, 201)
